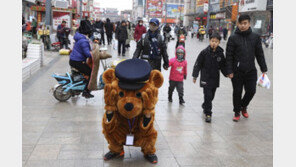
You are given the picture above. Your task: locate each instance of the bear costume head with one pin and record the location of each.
(132, 91)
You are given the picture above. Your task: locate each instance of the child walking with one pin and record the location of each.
(178, 73)
(210, 61)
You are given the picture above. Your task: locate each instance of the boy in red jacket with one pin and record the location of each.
(178, 73)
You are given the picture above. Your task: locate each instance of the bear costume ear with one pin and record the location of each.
(156, 78)
(109, 76)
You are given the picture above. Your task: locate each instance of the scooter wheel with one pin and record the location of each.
(60, 95)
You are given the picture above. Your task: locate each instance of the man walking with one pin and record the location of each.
(109, 31)
(139, 30)
(152, 47)
(100, 25)
(241, 50)
(121, 36)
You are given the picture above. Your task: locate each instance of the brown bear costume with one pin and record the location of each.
(128, 109)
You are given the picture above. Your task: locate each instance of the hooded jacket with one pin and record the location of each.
(179, 69)
(139, 31)
(210, 63)
(242, 49)
(81, 49)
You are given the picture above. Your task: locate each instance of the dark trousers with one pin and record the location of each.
(121, 44)
(209, 94)
(109, 38)
(103, 38)
(81, 67)
(63, 42)
(246, 81)
(155, 64)
(179, 85)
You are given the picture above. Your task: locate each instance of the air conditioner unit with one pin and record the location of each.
(61, 4)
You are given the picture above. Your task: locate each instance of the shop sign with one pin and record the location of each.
(58, 17)
(252, 5)
(220, 15)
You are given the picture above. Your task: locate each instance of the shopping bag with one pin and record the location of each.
(64, 51)
(263, 81)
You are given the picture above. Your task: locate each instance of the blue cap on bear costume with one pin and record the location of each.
(132, 74)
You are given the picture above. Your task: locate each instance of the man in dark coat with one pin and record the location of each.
(166, 30)
(152, 47)
(62, 34)
(241, 50)
(121, 36)
(109, 31)
(100, 25)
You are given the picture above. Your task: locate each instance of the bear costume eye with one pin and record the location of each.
(139, 95)
(121, 94)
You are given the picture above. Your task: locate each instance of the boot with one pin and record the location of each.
(181, 100)
(86, 94)
(170, 97)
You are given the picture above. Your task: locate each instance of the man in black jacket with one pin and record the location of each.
(152, 47)
(121, 36)
(100, 25)
(109, 31)
(242, 49)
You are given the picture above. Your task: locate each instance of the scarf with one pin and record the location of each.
(154, 53)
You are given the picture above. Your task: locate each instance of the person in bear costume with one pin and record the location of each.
(131, 93)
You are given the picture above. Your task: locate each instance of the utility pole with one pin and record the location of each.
(208, 16)
(166, 11)
(48, 13)
(80, 6)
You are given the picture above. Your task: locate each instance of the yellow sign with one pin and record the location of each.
(200, 3)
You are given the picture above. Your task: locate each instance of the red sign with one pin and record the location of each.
(154, 8)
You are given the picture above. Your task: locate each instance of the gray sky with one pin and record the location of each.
(119, 4)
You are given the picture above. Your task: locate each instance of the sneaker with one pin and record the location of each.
(151, 158)
(244, 112)
(236, 117)
(111, 155)
(208, 118)
(181, 101)
(170, 98)
(87, 94)
(123, 54)
(118, 54)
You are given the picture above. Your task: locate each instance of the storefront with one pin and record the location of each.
(58, 15)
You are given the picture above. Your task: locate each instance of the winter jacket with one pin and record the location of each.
(99, 25)
(121, 33)
(60, 31)
(167, 29)
(179, 69)
(210, 63)
(81, 49)
(242, 49)
(109, 28)
(144, 48)
(129, 36)
(139, 31)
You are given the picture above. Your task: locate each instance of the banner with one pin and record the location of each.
(252, 5)
(200, 3)
(174, 10)
(58, 17)
(154, 8)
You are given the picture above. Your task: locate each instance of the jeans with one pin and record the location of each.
(121, 44)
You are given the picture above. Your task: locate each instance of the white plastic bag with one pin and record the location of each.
(115, 44)
(263, 81)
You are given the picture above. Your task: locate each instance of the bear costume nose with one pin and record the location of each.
(129, 106)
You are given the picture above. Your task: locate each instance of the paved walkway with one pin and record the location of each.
(70, 133)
